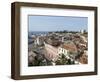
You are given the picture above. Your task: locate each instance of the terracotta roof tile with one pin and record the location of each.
(70, 47)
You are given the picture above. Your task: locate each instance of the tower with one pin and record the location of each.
(37, 41)
(62, 39)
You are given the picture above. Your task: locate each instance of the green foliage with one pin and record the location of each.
(39, 60)
(62, 60)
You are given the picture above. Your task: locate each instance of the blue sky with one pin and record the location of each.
(56, 23)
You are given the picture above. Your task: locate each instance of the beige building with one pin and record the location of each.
(51, 52)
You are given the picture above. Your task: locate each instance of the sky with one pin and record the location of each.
(56, 23)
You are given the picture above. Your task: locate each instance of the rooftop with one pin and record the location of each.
(69, 46)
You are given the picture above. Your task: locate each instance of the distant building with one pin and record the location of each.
(37, 41)
(83, 31)
(62, 39)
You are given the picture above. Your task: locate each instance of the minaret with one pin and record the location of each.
(37, 41)
(62, 39)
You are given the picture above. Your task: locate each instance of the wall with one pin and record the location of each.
(5, 38)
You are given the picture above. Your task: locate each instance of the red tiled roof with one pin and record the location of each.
(70, 47)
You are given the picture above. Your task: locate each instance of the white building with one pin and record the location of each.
(62, 39)
(82, 31)
(39, 40)
(62, 51)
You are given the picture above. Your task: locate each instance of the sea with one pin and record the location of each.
(30, 40)
(38, 32)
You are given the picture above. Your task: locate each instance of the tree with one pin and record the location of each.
(62, 60)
